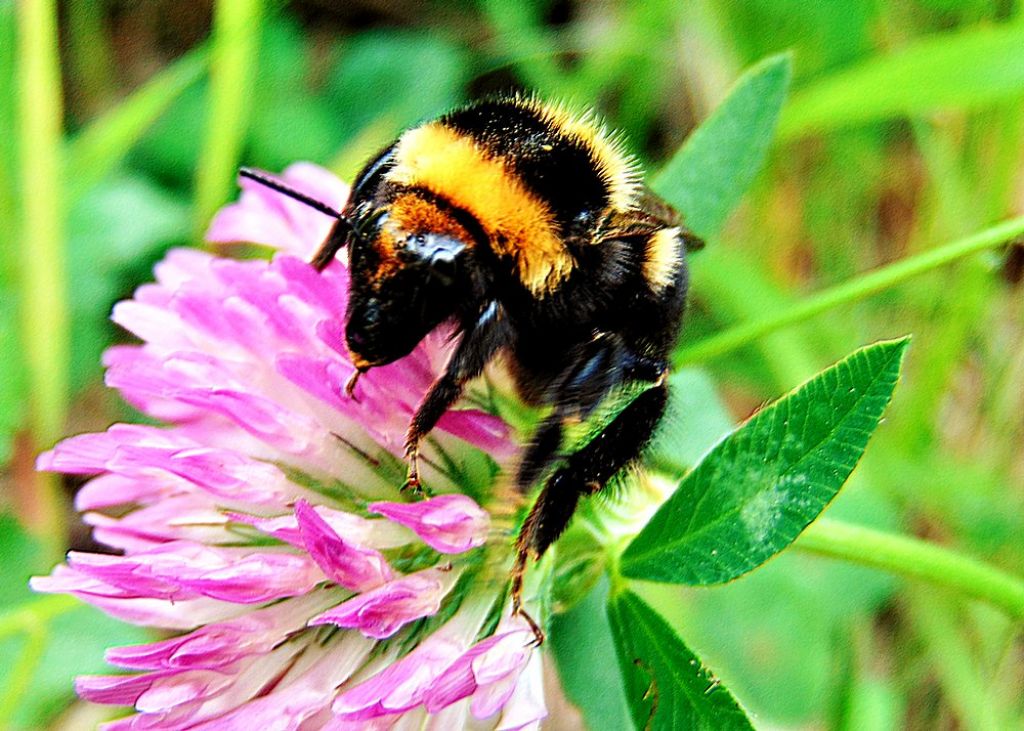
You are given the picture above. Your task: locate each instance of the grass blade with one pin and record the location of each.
(965, 68)
(12, 366)
(105, 142)
(236, 33)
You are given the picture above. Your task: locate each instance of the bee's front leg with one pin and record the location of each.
(480, 342)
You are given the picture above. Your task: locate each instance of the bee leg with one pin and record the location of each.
(479, 343)
(412, 476)
(551, 504)
(518, 575)
(335, 242)
(586, 472)
(541, 452)
(581, 388)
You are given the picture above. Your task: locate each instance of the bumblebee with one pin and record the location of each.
(531, 230)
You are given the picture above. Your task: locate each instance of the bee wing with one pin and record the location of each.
(651, 214)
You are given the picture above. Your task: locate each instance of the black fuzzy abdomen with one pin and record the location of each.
(605, 318)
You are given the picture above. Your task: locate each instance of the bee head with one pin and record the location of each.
(409, 265)
(403, 285)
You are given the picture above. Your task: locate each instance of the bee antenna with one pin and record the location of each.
(264, 179)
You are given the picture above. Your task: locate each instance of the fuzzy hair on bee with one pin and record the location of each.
(531, 230)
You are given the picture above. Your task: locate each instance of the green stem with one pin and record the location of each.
(21, 673)
(916, 559)
(44, 306)
(35, 613)
(851, 291)
(236, 31)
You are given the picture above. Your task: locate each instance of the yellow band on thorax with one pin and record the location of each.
(517, 223)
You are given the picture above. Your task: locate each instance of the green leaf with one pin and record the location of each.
(519, 31)
(797, 610)
(966, 68)
(667, 686)
(434, 66)
(19, 558)
(821, 34)
(290, 124)
(759, 488)
(169, 150)
(74, 645)
(103, 144)
(735, 286)
(581, 642)
(711, 172)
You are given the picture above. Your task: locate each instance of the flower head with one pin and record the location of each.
(263, 522)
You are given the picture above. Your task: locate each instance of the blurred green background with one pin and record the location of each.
(122, 125)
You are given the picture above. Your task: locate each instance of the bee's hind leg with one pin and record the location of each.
(585, 472)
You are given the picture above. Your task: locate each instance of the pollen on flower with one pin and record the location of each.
(263, 521)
